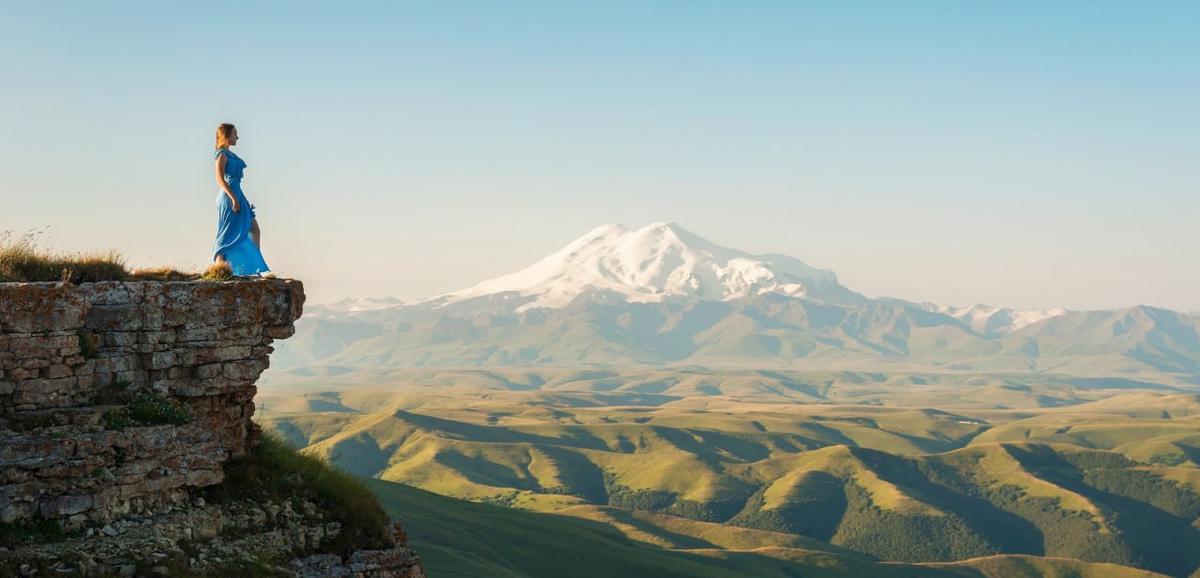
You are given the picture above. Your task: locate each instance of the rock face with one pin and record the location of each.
(118, 400)
(74, 358)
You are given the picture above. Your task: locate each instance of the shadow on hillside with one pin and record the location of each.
(1116, 383)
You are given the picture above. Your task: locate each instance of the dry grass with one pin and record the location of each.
(163, 274)
(21, 259)
(219, 271)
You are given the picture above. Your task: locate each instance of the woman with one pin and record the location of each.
(238, 236)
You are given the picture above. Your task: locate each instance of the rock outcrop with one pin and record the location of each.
(120, 402)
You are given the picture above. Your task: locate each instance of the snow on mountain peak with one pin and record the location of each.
(653, 263)
(989, 319)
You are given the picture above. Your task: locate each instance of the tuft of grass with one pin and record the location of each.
(117, 419)
(145, 410)
(164, 274)
(21, 259)
(218, 271)
(157, 410)
(274, 471)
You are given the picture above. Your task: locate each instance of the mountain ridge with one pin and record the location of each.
(663, 295)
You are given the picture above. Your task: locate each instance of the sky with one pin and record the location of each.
(1014, 153)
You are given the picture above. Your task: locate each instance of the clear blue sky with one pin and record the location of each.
(1017, 153)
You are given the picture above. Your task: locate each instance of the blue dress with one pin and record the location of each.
(233, 229)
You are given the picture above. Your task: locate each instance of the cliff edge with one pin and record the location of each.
(127, 446)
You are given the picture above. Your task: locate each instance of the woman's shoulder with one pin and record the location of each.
(217, 153)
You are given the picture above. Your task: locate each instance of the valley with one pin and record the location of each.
(464, 539)
(1102, 472)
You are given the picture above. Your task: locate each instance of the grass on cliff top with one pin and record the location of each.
(274, 471)
(22, 259)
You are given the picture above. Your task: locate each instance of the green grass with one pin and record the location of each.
(274, 471)
(1151, 440)
(853, 476)
(675, 459)
(460, 539)
(146, 410)
(157, 410)
(456, 538)
(1034, 567)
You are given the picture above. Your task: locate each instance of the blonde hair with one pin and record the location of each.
(224, 131)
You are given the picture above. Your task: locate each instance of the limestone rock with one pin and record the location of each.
(119, 401)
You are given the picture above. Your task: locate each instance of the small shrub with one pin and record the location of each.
(273, 471)
(218, 271)
(146, 410)
(157, 410)
(117, 419)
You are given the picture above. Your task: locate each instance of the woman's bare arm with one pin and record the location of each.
(221, 160)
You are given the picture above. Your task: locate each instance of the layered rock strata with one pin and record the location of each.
(205, 539)
(74, 361)
(119, 400)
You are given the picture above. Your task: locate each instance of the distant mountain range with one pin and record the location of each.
(662, 295)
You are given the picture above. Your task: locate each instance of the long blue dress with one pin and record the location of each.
(233, 229)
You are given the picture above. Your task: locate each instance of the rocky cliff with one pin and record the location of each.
(123, 405)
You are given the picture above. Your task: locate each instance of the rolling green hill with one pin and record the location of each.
(459, 539)
(1100, 481)
(1161, 430)
(614, 385)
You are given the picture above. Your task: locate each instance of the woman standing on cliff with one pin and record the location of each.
(238, 236)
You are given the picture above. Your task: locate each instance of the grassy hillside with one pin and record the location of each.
(1097, 481)
(636, 385)
(464, 539)
(1161, 430)
(999, 498)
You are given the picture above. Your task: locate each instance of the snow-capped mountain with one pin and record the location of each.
(662, 294)
(659, 261)
(993, 320)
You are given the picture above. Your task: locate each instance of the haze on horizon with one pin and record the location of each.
(1017, 154)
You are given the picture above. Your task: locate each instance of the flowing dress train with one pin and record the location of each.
(233, 228)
